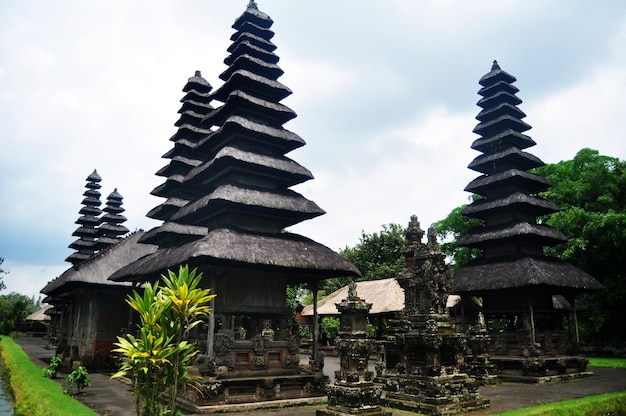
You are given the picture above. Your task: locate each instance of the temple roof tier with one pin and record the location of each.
(240, 103)
(512, 233)
(252, 64)
(95, 269)
(247, 48)
(252, 15)
(257, 85)
(171, 234)
(531, 272)
(518, 202)
(262, 42)
(243, 133)
(501, 140)
(501, 123)
(231, 162)
(302, 258)
(509, 158)
(514, 180)
(286, 206)
(496, 75)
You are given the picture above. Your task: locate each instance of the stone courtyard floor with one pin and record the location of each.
(113, 398)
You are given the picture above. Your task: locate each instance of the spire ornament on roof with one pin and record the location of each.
(252, 5)
(495, 66)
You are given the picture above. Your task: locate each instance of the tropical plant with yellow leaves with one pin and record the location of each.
(159, 357)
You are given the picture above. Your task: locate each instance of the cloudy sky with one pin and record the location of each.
(385, 93)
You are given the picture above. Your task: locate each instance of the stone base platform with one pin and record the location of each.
(440, 395)
(250, 392)
(341, 411)
(541, 369)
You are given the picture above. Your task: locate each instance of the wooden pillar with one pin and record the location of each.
(314, 353)
(532, 319)
(572, 301)
(211, 326)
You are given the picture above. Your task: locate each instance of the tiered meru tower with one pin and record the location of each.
(517, 283)
(228, 205)
(87, 232)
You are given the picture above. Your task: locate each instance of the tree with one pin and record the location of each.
(590, 191)
(450, 229)
(14, 308)
(2, 274)
(159, 358)
(376, 255)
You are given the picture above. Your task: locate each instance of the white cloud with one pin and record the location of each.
(29, 279)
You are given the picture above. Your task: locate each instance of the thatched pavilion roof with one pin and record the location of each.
(385, 295)
(40, 314)
(291, 253)
(97, 269)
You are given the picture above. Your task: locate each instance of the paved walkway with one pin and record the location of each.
(113, 398)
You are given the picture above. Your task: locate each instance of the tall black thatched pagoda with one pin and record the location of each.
(87, 232)
(520, 287)
(229, 202)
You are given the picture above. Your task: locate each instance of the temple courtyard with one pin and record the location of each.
(113, 398)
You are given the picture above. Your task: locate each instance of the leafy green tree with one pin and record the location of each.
(2, 274)
(376, 255)
(159, 358)
(590, 190)
(14, 308)
(450, 229)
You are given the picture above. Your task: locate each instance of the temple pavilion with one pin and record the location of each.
(519, 286)
(90, 311)
(228, 204)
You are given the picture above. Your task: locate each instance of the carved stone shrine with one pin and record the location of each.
(424, 355)
(353, 392)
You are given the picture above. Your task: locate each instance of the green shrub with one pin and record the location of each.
(51, 370)
(80, 378)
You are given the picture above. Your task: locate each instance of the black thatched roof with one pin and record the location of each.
(250, 131)
(505, 138)
(97, 269)
(230, 160)
(511, 156)
(543, 273)
(171, 234)
(542, 234)
(513, 178)
(483, 208)
(285, 206)
(286, 253)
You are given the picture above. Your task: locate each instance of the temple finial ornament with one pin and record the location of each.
(495, 65)
(198, 74)
(252, 5)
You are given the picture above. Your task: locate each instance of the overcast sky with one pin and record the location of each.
(385, 93)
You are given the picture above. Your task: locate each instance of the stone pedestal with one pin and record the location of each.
(353, 392)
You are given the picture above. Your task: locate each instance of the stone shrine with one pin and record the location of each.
(424, 355)
(353, 392)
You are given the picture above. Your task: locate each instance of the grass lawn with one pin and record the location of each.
(35, 395)
(607, 362)
(610, 404)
